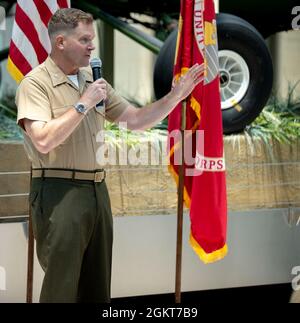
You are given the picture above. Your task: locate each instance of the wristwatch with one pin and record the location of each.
(80, 108)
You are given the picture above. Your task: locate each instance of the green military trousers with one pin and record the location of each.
(72, 225)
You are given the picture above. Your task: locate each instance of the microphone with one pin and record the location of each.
(96, 65)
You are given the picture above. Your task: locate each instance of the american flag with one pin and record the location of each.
(30, 44)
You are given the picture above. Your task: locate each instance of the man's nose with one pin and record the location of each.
(91, 46)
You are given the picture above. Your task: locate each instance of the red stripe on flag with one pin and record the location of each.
(29, 30)
(18, 59)
(44, 11)
(62, 3)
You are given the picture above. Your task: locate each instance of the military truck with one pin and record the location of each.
(246, 71)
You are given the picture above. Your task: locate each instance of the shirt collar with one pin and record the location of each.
(59, 77)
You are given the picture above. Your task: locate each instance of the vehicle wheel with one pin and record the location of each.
(163, 68)
(246, 72)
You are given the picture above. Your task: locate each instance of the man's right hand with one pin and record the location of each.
(94, 94)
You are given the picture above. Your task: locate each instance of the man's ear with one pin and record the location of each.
(59, 42)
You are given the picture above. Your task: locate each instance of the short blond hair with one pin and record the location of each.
(65, 20)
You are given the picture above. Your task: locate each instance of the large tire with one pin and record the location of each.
(240, 43)
(163, 68)
(245, 68)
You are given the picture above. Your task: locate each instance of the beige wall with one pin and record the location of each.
(133, 72)
(216, 5)
(133, 66)
(285, 49)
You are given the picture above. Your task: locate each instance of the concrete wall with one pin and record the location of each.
(285, 48)
(14, 179)
(133, 72)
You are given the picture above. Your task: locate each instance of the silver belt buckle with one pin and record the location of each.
(99, 176)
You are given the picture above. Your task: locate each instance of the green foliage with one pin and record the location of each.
(8, 127)
(280, 119)
(115, 135)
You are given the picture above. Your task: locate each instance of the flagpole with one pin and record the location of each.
(180, 208)
(30, 254)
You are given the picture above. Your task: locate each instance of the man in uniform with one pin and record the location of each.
(71, 214)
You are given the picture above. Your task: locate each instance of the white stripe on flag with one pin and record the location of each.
(52, 5)
(24, 45)
(31, 11)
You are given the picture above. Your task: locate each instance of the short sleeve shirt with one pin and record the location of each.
(46, 93)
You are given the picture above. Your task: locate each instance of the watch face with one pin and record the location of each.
(80, 108)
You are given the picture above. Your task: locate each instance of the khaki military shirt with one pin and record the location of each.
(46, 93)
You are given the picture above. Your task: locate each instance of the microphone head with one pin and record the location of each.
(95, 62)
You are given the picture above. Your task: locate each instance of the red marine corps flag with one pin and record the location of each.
(204, 175)
(30, 43)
